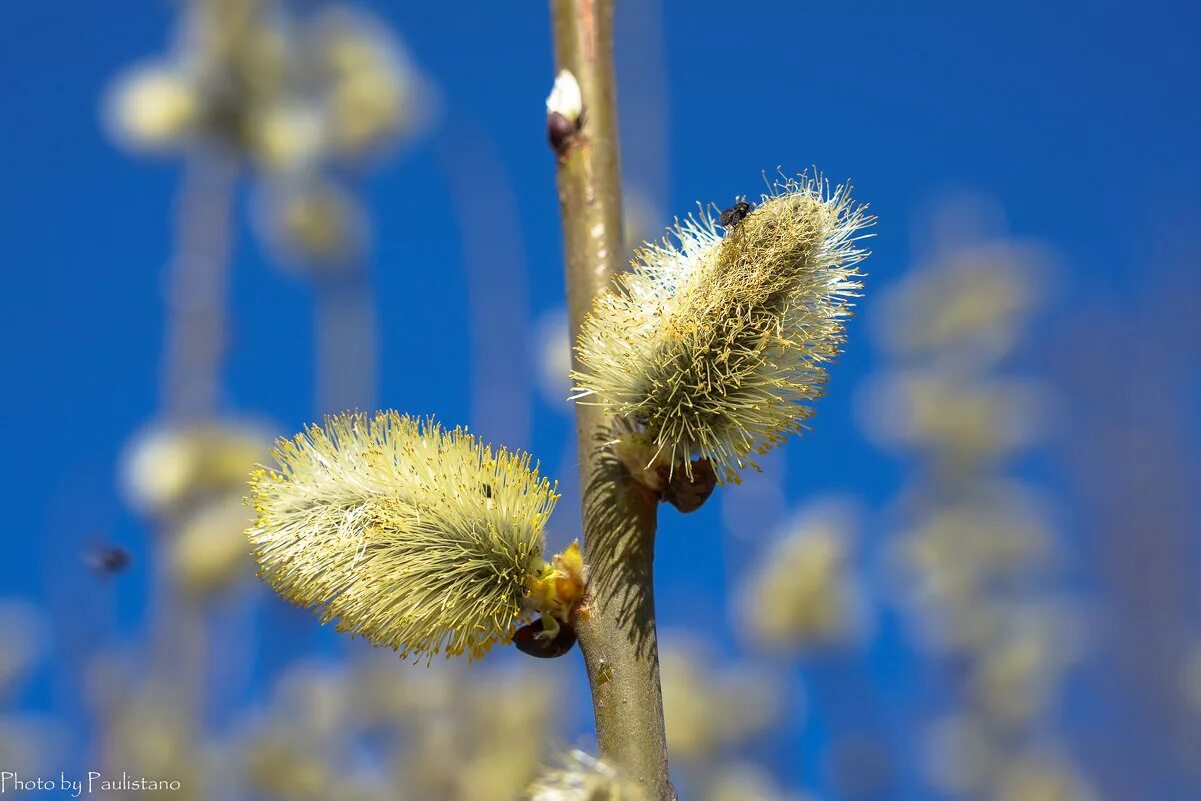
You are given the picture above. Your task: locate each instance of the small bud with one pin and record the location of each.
(532, 639)
(565, 98)
(685, 487)
(564, 112)
(687, 490)
(559, 132)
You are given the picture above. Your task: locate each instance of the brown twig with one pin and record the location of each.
(618, 637)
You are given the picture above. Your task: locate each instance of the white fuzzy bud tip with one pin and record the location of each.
(565, 97)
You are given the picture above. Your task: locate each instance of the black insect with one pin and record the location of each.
(107, 560)
(736, 214)
(528, 642)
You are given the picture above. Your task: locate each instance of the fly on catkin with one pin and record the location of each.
(414, 537)
(719, 335)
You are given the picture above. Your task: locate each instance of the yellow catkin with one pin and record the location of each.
(717, 338)
(415, 537)
(583, 777)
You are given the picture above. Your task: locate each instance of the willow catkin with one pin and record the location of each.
(718, 337)
(414, 537)
(583, 777)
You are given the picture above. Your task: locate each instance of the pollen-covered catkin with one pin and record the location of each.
(583, 777)
(716, 339)
(414, 537)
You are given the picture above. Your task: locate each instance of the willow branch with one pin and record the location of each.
(196, 293)
(618, 637)
(347, 346)
(194, 351)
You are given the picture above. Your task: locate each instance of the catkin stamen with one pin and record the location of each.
(412, 536)
(717, 340)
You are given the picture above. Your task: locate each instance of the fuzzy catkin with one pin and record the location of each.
(717, 338)
(583, 777)
(414, 537)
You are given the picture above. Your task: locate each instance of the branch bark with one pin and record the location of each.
(196, 291)
(618, 636)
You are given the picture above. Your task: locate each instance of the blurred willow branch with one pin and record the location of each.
(618, 638)
(196, 288)
(196, 312)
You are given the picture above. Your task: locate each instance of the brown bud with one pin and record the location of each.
(529, 641)
(561, 132)
(689, 494)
